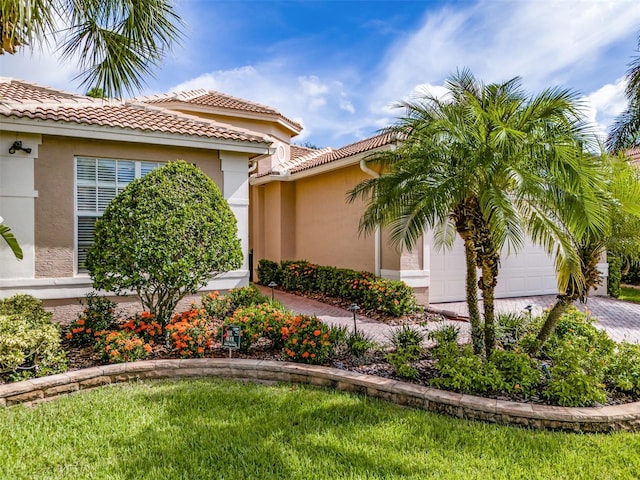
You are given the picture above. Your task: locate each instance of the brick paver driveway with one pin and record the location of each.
(620, 319)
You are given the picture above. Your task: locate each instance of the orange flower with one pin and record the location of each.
(294, 341)
(305, 354)
(200, 350)
(80, 321)
(147, 347)
(69, 336)
(316, 333)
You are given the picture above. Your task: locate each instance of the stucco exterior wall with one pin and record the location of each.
(54, 181)
(327, 226)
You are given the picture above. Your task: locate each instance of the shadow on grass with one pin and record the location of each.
(213, 429)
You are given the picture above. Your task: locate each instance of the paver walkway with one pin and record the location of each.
(378, 331)
(620, 319)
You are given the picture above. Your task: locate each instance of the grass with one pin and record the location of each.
(226, 430)
(630, 294)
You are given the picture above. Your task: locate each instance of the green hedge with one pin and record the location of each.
(388, 296)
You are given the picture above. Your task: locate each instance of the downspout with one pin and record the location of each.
(377, 234)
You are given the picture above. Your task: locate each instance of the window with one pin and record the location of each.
(98, 181)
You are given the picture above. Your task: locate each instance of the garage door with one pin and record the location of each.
(529, 272)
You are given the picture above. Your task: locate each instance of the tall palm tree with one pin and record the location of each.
(619, 202)
(7, 236)
(487, 162)
(625, 132)
(119, 42)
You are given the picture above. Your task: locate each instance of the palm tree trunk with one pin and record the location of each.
(472, 297)
(487, 284)
(558, 309)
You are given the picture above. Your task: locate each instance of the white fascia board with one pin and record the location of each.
(49, 127)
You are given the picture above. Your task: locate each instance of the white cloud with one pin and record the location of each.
(42, 66)
(320, 104)
(603, 105)
(546, 42)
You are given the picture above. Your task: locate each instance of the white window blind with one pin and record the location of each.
(98, 181)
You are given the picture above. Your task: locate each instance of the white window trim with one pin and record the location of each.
(77, 213)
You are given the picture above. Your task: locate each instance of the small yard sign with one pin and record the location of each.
(231, 337)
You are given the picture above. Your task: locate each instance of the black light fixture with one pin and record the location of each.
(17, 145)
(273, 285)
(354, 308)
(529, 308)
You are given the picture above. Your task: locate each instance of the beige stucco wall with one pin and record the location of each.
(54, 181)
(327, 226)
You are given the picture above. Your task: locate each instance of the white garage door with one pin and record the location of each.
(529, 272)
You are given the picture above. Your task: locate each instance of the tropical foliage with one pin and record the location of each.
(10, 239)
(625, 133)
(492, 164)
(119, 42)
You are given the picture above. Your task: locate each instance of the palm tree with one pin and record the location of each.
(488, 163)
(625, 132)
(619, 202)
(5, 233)
(119, 42)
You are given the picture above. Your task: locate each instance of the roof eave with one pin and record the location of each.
(319, 169)
(69, 129)
(231, 112)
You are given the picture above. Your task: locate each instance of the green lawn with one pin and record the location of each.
(212, 429)
(630, 294)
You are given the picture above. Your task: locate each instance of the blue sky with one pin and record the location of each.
(337, 67)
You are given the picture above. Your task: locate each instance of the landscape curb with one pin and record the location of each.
(603, 419)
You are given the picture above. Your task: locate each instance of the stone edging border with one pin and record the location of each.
(604, 419)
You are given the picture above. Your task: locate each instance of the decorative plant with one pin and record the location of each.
(163, 237)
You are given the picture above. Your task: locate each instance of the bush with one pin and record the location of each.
(191, 334)
(444, 334)
(266, 320)
(510, 328)
(308, 340)
(99, 314)
(358, 343)
(145, 326)
(298, 276)
(401, 360)
(632, 275)
(462, 371)
(517, 370)
(268, 272)
(577, 375)
(387, 296)
(406, 336)
(623, 369)
(29, 341)
(163, 237)
(222, 306)
(615, 275)
(118, 346)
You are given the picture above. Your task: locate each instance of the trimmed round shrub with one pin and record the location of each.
(163, 237)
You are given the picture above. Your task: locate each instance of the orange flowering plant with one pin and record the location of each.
(119, 346)
(144, 325)
(264, 320)
(191, 333)
(308, 340)
(99, 314)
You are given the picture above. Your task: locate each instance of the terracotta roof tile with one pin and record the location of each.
(210, 98)
(634, 156)
(24, 100)
(346, 151)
